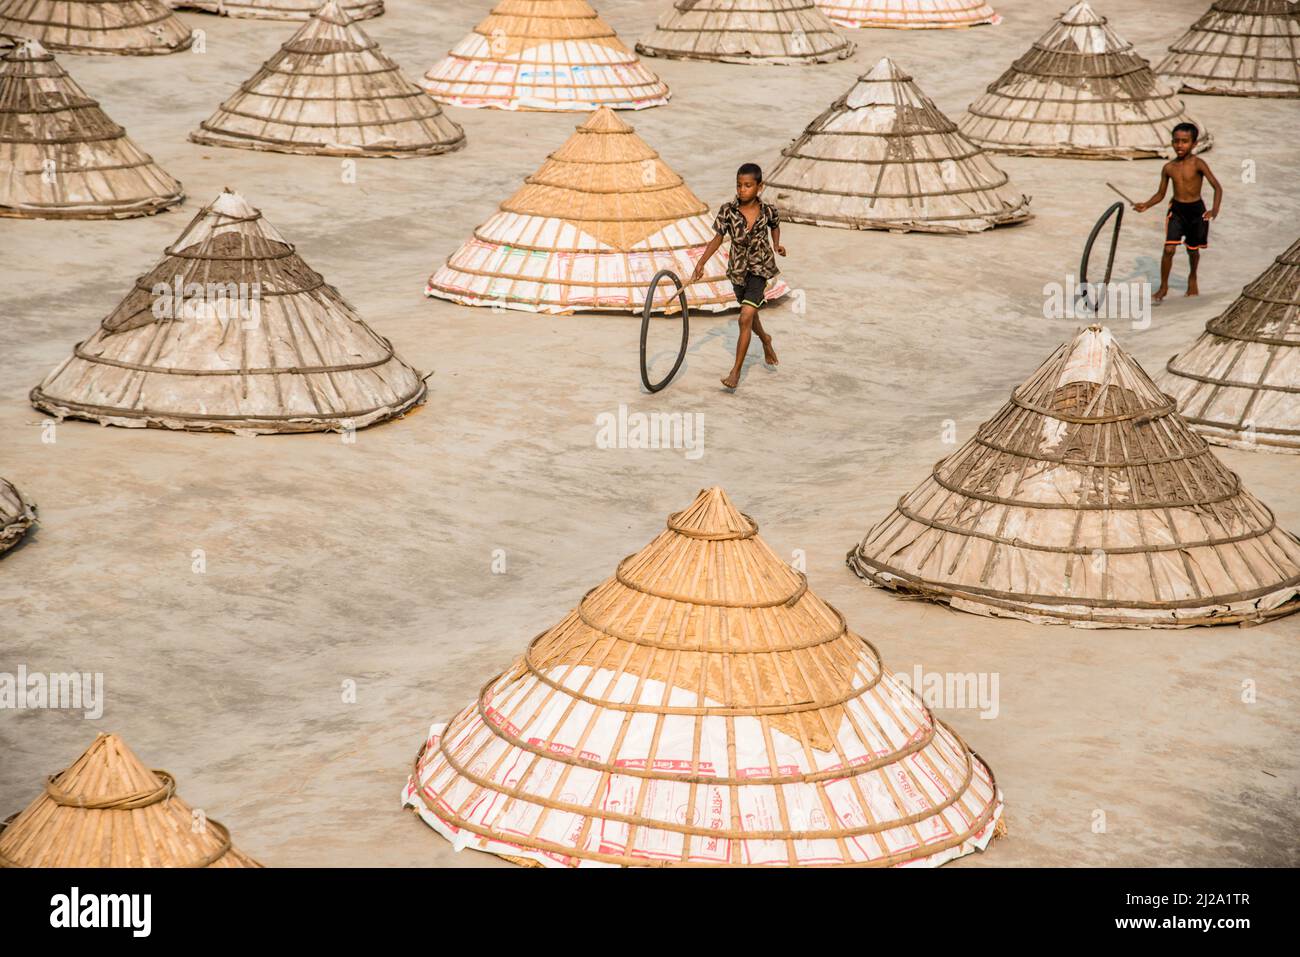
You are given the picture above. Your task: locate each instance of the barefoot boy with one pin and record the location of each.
(1188, 220)
(746, 222)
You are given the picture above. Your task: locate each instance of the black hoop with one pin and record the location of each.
(1082, 291)
(645, 328)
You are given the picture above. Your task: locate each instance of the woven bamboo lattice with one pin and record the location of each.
(278, 9)
(588, 231)
(232, 331)
(703, 707)
(61, 157)
(1239, 48)
(909, 14)
(746, 31)
(17, 515)
(134, 27)
(331, 90)
(1080, 92)
(884, 157)
(544, 55)
(1239, 383)
(1087, 500)
(108, 810)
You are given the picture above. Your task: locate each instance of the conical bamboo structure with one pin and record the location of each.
(17, 515)
(1239, 48)
(279, 9)
(1239, 383)
(703, 707)
(746, 31)
(588, 231)
(884, 157)
(61, 157)
(909, 14)
(132, 27)
(1087, 500)
(1080, 92)
(544, 55)
(330, 90)
(232, 331)
(108, 810)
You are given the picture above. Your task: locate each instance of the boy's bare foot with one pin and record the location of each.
(732, 380)
(1192, 290)
(769, 354)
(1160, 294)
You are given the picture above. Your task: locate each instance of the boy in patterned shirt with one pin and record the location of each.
(746, 221)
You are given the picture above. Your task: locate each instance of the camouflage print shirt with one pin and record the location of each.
(751, 248)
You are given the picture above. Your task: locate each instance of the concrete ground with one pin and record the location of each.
(371, 562)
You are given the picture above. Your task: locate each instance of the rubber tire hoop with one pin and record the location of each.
(1081, 291)
(645, 328)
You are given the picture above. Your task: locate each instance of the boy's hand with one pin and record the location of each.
(1141, 207)
(1209, 214)
(697, 273)
(780, 250)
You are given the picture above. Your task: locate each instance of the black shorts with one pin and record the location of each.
(751, 292)
(1187, 222)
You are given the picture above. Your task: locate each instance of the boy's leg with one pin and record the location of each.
(1166, 263)
(769, 354)
(747, 316)
(1194, 260)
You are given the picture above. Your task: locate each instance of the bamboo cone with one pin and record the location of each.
(1239, 48)
(703, 707)
(133, 27)
(1087, 500)
(1081, 92)
(108, 810)
(909, 14)
(17, 515)
(273, 349)
(61, 157)
(544, 55)
(588, 231)
(330, 90)
(1239, 383)
(279, 9)
(746, 31)
(884, 157)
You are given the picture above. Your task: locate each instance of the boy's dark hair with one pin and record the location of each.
(756, 171)
(1188, 128)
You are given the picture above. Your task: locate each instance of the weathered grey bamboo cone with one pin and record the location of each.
(909, 14)
(1080, 92)
(1087, 500)
(1239, 383)
(278, 9)
(330, 90)
(746, 31)
(1239, 48)
(17, 515)
(232, 331)
(884, 157)
(61, 156)
(131, 27)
